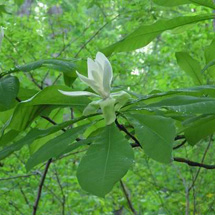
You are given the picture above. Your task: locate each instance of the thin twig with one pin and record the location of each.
(193, 163)
(35, 207)
(18, 176)
(180, 145)
(93, 36)
(63, 202)
(203, 158)
(122, 128)
(128, 198)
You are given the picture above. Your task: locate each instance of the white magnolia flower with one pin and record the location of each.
(100, 76)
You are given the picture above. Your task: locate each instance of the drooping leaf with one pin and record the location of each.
(200, 129)
(190, 66)
(156, 135)
(9, 87)
(106, 162)
(55, 146)
(145, 34)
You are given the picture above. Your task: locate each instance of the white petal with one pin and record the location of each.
(92, 66)
(107, 79)
(86, 80)
(77, 93)
(101, 59)
(89, 82)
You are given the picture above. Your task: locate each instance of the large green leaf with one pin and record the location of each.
(200, 129)
(59, 65)
(170, 3)
(68, 67)
(190, 66)
(187, 104)
(145, 34)
(55, 146)
(9, 88)
(106, 162)
(50, 97)
(156, 135)
(154, 98)
(209, 57)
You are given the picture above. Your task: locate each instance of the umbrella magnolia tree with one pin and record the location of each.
(111, 123)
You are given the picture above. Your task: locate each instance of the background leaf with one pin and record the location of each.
(190, 66)
(209, 57)
(145, 34)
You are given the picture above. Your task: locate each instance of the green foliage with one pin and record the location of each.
(145, 34)
(154, 101)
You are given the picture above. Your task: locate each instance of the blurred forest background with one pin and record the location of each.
(77, 29)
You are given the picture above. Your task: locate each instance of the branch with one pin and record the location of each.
(122, 128)
(93, 36)
(63, 202)
(177, 159)
(180, 145)
(128, 198)
(203, 158)
(18, 176)
(193, 163)
(41, 187)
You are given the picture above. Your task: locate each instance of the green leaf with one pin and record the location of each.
(187, 104)
(200, 129)
(106, 162)
(55, 146)
(8, 137)
(170, 3)
(9, 88)
(209, 57)
(190, 66)
(68, 67)
(27, 111)
(145, 34)
(156, 135)
(35, 134)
